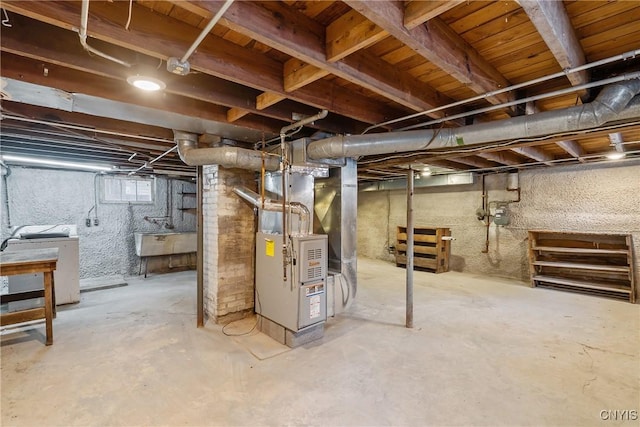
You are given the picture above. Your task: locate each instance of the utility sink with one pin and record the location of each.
(156, 244)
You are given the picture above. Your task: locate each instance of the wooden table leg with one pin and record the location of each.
(48, 305)
(53, 295)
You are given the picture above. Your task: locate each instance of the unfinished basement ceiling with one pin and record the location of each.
(265, 64)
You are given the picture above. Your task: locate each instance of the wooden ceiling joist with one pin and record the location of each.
(350, 33)
(438, 44)
(164, 37)
(573, 148)
(534, 153)
(418, 12)
(502, 157)
(301, 37)
(552, 22)
(298, 74)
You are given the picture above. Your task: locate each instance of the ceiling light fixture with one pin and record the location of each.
(617, 142)
(46, 162)
(147, 83)
(615, 155)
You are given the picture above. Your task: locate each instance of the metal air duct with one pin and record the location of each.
(613, 102)
(226, 156)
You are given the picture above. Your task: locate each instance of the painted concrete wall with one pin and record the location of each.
(594, 198)
(47, 196)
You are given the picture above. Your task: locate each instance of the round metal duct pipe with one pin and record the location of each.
(226, 156)
(614, 102)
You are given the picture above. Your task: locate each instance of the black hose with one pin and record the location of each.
(5, 242)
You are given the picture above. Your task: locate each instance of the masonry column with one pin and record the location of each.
(229, 244)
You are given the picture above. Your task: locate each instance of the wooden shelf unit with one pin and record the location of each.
(590, 263)
(429, 250)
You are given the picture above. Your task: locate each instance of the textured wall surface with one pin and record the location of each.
(47, 196)
(594, 198)
(229, 244)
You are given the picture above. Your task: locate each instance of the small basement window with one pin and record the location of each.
(115, 189)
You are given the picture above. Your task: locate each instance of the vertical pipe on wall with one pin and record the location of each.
(200, 248)
(409, 315)
(485, 208)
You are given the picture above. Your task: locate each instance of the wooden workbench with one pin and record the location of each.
(29, 262)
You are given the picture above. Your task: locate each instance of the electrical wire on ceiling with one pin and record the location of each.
(491, 146)
(621, 57)
(22, 118)
(624, 77)
(5, 19)
(82, 34)
(64, 128)
(590, 159)
(126, 27)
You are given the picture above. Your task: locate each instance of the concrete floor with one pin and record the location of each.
(483, 352)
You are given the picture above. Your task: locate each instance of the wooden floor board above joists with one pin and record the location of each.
(491, 12)
(386, 72)
(463, 10)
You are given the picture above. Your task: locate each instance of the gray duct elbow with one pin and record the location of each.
(226, 156)
(613, 99)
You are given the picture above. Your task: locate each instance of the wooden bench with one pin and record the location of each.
(29, 262)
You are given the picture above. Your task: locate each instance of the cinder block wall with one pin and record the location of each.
(229, 241)
(587, 198)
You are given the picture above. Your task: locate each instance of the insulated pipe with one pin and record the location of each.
(226, 156)
(608, 106)
(84, 20)
(271, 206)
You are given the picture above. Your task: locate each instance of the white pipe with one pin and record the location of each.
(621, 57)
(82, 128)
(146, 164)
(321, 115)
(297, 208)
(206, 30)
(611, 80)
(284, 152)
(84, 19)
(175, 147)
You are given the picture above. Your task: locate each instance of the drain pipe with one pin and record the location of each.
(84, 20)
(226, 156)
(284, 170)
(614, 102)
(269, 205)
